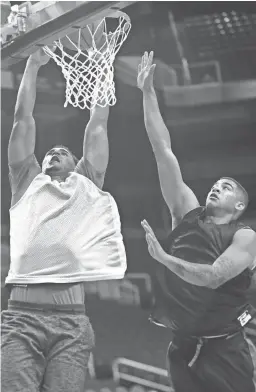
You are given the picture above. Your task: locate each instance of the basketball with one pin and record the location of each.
(95, 29)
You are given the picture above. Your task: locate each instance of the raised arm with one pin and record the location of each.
(95, 146)
(23, 135)
(178, 196)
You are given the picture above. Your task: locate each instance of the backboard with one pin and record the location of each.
(36, 24)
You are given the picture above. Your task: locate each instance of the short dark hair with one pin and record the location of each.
(76, 160)
(242, 191)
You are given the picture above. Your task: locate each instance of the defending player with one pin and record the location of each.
(203, 278)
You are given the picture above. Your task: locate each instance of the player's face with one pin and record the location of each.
(223, 195)
(58, 160)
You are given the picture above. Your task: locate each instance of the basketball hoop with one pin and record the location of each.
(89, 73)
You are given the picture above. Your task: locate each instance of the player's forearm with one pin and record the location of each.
(196, 274)
(156, 129)
(96, 146)
(27, 92)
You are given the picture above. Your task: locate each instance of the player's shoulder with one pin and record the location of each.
(244, 236)
(21, 176)
(242, 228)
(188, 217)
(195, 212)
(86, 169)
(82, 178)
(29, 161)
(22, 173)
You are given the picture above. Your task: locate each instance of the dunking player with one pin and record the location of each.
(203, 277)
(64, 231)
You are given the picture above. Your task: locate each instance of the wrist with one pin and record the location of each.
(166, 259)
(31, 63)
(149, 91)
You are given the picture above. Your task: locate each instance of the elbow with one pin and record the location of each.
(23, 108)
(96, 133)
(21, 127)
(158, 150)
(213, 283)
(21, 114)
(162, 152)
(159, 144)
(151, 124)
(209, 279)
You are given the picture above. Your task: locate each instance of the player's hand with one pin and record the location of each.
(146, 72)
(40, 57)
(154, 248)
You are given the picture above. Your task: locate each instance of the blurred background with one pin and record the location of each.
(210, 111)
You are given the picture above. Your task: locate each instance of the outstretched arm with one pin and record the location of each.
(95, 146)
(178, 196)
(236, 258)
(23, 135)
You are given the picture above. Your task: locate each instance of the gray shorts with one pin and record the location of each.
(45, 348)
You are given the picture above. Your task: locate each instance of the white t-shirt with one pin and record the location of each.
(63, 232)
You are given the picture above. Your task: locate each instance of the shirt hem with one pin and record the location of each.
(53, 279)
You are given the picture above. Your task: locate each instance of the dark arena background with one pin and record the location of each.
(210, 110)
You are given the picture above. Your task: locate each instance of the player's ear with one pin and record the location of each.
(240, 206)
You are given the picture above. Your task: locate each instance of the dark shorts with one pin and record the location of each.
(45, 349)
(221, 364)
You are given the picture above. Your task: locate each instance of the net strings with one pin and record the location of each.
(89, 73)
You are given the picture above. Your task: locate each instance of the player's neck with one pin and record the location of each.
(59, 177)
(216, 220)
(218, 217)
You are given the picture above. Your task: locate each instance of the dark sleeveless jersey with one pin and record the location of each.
(197, 310)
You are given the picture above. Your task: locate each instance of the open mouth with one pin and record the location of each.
(213, 196)
(55, 159)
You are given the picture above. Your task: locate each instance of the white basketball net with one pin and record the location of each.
(89, 73)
